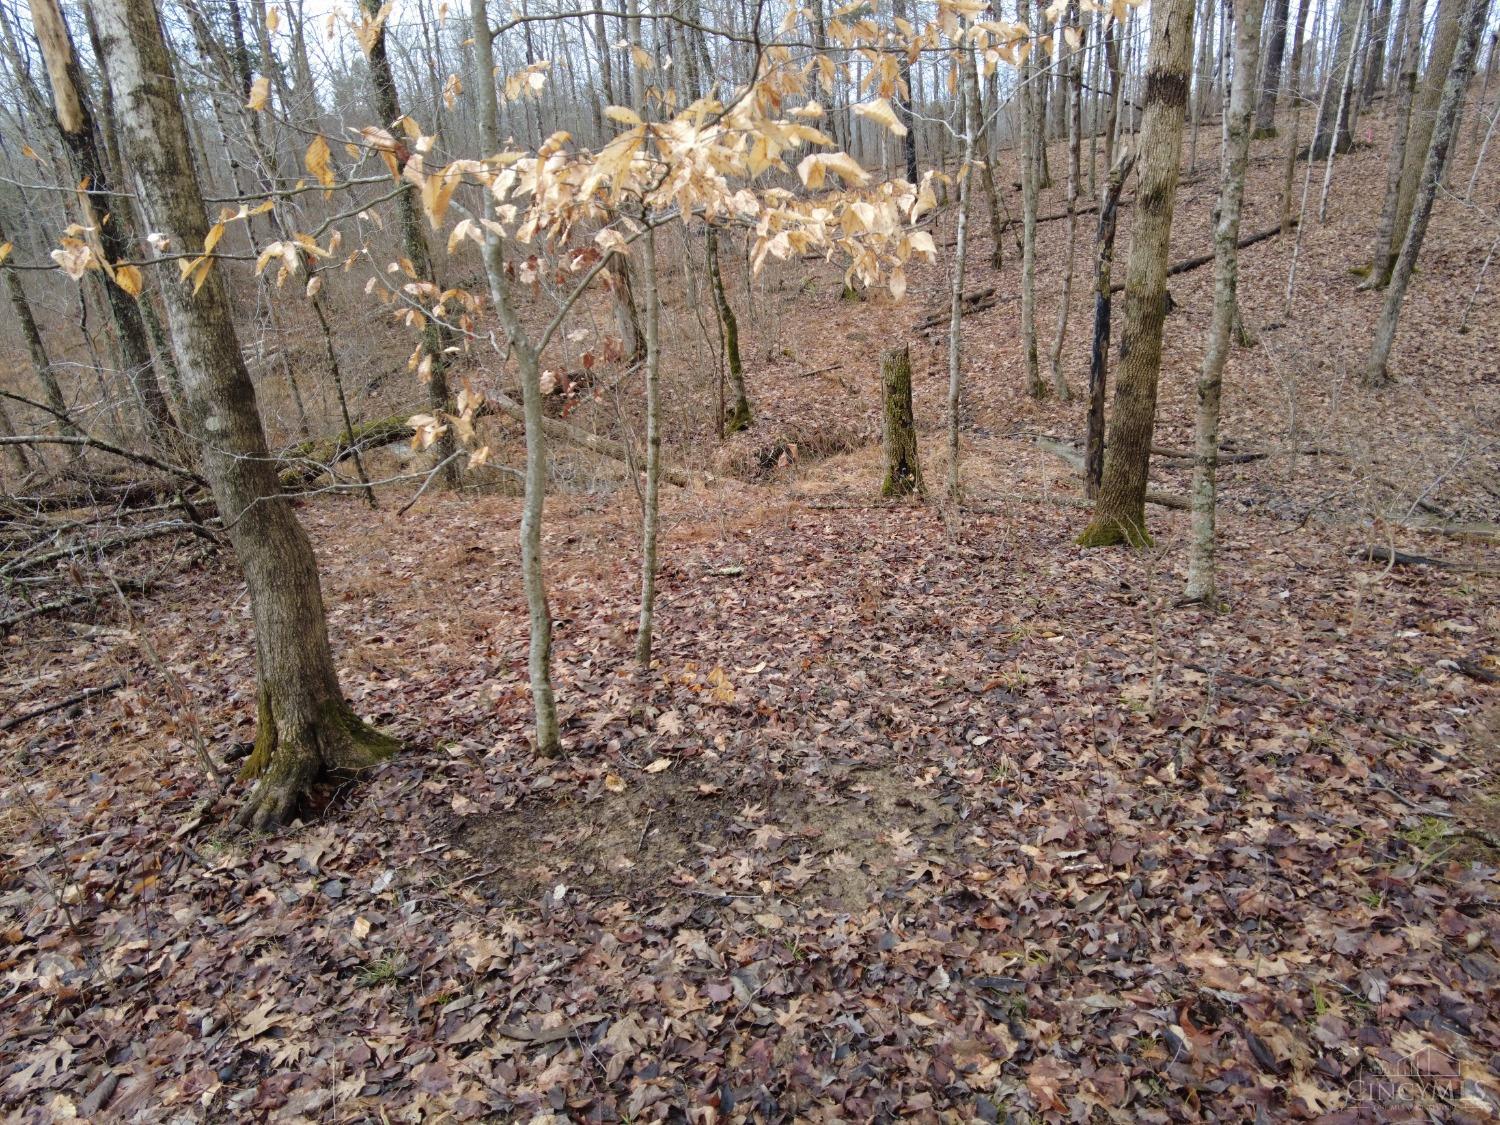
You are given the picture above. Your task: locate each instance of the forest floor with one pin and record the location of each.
(920, 813)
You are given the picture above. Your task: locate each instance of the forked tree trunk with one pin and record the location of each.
(1471, 22)
(75, 122)
(1201, 584)
(543, 701)
(1120, 512)
(1410, 52)
(1109, 210)
(739, 417)
(903, 468)
(306, 729)
(435, 337)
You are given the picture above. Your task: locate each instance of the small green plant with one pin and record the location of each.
(381, 970)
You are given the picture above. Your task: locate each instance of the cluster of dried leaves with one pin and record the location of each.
(909, 834)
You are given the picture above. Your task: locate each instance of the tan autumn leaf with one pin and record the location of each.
(659, 765)
(879, 111)
(127, 277)
(614, 783)
(260, 93)
(318, 160)
(5, 250)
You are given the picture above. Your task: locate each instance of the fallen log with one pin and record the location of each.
(1187, 265)
(1075, 458)
(62, 704)
(977, 301)
(1392, 557)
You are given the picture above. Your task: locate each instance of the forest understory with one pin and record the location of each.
(921, 812)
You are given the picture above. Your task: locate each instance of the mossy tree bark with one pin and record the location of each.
(739, 416)
(306, 728)
(1202, 577)
(435, 336)
(1445, 127)
(80, 134)
(903, 468)
(1120, 511)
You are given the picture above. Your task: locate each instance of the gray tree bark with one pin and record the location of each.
(548, 740)
(306, 729)
(1120, 511)
(1202, 575)
(1445, 127)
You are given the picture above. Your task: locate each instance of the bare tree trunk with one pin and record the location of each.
(651, 500)
(1424, 114)
(1109, 209)
(1471, 23)
(1202, 579)
(75, 123)
(969, 92)
(306, 729)
(1294, 88)
(978, 134)
(1031, 142)
(1380, 26)
(19, 461)
(729, 332)
(544, 703)
(1332, 129)
(1202, 77)
(1073, 88)
(904, 101)
(1120, 512)
(903, 468)
(1270, 87)
(1410, 53)
(435, 337)
(41, 364)
(1341, 125)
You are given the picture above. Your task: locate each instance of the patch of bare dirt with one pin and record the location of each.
(674, 830)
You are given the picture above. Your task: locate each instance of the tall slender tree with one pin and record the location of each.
(306, 729)
(1270, 84)
(102, 212)
(1445, 128)
(1202, 576)
(1120, 511)
(435, 336)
